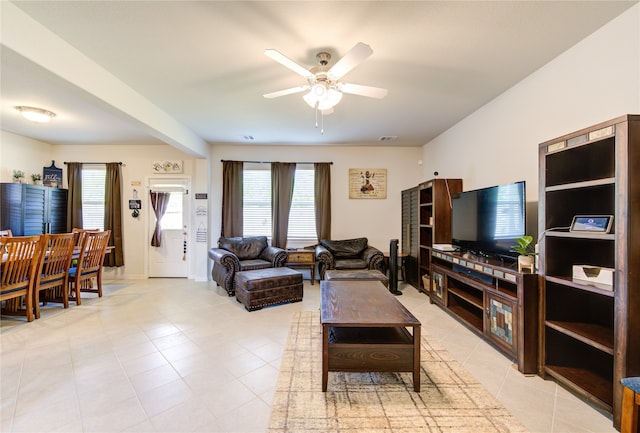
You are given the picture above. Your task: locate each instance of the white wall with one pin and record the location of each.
(22, 153)
(377, 219)
(594, 81)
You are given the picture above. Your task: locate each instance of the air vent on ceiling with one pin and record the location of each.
(389, 138)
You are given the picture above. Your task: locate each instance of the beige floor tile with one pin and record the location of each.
(165, 397)
(153, 378)
(188, 416)
(144, 363)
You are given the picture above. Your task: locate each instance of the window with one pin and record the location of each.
(93, 189)
(302, 216)
(257, 204)
(172, 218)
(256, 201)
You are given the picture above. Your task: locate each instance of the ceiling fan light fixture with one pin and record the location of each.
(325, 98)
(34, 114)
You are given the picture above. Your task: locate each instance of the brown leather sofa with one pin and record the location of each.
(348, 254)
(242, 254)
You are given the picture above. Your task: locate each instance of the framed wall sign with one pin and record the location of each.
(367, 183)
(52, 176)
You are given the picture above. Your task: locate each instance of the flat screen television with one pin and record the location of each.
(487, 221)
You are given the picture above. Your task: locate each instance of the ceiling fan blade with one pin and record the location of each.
(286, 92)
(287, 62)
(350, 60)
(357, 89)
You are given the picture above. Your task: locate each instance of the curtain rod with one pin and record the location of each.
(269, 162)
(96, 163)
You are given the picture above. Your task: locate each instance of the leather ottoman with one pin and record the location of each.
(357, 274)
(263, 287)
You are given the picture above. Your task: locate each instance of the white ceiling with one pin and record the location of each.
(203, 64)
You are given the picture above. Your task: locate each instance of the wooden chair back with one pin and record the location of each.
(53, 270)
(89, 265)
(19, 264)
(79, 235)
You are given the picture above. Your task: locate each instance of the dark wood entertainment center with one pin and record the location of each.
(492, 299)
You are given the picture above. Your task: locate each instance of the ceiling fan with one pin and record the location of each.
(323, 85)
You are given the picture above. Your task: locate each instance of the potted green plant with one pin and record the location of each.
(36, 178)
(526, 251)
(18, 176)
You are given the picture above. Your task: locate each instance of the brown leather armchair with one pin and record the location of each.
(347, 254)
(242, 254)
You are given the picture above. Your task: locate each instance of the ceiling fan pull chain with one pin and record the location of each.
(321, 123)
(316, 115)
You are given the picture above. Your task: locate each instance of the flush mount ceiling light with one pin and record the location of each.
(36, 114)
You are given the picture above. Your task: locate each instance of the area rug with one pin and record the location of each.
(451, 400)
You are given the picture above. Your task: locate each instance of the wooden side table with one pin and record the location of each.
(302, 259)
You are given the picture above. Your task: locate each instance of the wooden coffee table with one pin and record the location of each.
(365, 328)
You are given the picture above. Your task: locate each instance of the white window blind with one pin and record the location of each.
(257, 205)
(302, 218)
(256, 201)
(93, 188)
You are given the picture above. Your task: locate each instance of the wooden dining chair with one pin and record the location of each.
(89, 265)
(17, 273)
(79, 234)
(52, 277)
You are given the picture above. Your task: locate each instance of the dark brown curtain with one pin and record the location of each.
(322, 189)
(282, 179)
(74, 198)
(232, 198)
(159, 203)
(113, 213)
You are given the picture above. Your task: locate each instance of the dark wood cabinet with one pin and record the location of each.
(32, 209)
(435, 220)
(590, 333)
(497, 302)
(409, 242)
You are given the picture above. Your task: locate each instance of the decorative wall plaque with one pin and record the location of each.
(167, 167)
(367, 183)
(52, 176)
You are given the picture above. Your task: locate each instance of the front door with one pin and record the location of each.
(171, 258)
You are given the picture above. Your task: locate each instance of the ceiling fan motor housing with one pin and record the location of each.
(323, 58)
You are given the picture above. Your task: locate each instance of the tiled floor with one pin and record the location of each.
(172, 355)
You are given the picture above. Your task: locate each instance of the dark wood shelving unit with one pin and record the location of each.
(426, 220)
(497, 302)
(590, 333)
(435, 220)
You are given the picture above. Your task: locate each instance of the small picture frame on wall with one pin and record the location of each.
(367, 183)
(52, 176)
